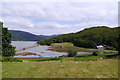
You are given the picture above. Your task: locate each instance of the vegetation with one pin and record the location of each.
(96, 53)
(88, 38)
(103, 68)
(66, 47)
(71, 53)
(26, 53)
(70, 47)
(119, 43)
(10, 59)
(80, 57)
(1, 25)
(7, 49)
(62, 45)
(49, 59)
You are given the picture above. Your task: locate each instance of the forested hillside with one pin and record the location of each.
(88, 38)
(26, 36)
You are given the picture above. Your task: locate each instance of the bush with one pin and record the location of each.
(96, 53)
(49, 59)
(72, 53)
(85, 59)
(10, 59)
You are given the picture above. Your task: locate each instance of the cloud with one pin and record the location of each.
(58, 17)
(12, 22)
(59, 11)
(51, 25)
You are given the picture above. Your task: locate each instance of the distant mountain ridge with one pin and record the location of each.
(18, 35)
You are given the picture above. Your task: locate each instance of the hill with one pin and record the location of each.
(26, 36)
(88, 38)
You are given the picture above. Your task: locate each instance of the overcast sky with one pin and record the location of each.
(47, 18)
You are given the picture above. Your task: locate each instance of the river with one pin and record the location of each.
(40, 50)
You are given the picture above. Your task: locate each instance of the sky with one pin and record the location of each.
(49, 18)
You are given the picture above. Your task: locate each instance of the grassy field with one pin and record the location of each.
(105, 68)
(65, 47)
(80, 66)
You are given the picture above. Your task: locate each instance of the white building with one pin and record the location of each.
(100, 47)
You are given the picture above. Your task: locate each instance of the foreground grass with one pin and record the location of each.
(105, 68)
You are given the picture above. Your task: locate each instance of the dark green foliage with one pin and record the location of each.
(111, 56)
(118, 42)
(49, 59)
(1, 24)
(89, 37)
(26, 36)
(7, 49)
(10, 59)
(71, 53)
(84, 43)
(96, 53)
(85, 59)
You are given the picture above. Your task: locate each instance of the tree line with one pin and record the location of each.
(88, 38)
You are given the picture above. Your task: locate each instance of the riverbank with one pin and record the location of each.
(65, 47)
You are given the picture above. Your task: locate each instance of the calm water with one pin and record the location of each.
(40, 50)
(22, 44)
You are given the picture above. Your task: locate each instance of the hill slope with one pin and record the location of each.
(26, 36)
(88, 38)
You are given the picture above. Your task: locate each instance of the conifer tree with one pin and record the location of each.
(7, 49)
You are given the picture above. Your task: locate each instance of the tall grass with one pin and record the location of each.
(48, 59)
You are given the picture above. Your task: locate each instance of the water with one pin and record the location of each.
(22, 44)
(40, 50)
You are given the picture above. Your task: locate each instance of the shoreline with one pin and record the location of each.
(17, 50)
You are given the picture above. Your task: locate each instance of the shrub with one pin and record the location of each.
(72, 53)
(10, 59)
(49, 59)
(96, 53)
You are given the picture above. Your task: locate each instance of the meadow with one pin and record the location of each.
(103, 68)
(80, 66)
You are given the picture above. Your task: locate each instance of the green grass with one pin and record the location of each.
(48, 59)
(0, 70)
(80, 57)
(65, 44)
(105, 68)
(10, 59)
(65, 47)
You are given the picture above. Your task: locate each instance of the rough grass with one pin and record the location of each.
(64, 44)
(0, 70)
(48, 59)
(26, 53)
(65, 47)
(106, 68)
(80, 57)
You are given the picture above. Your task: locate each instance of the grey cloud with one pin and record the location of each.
(23, 15)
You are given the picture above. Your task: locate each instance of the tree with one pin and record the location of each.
(7, 49)
(1, 38)
(72, 53)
